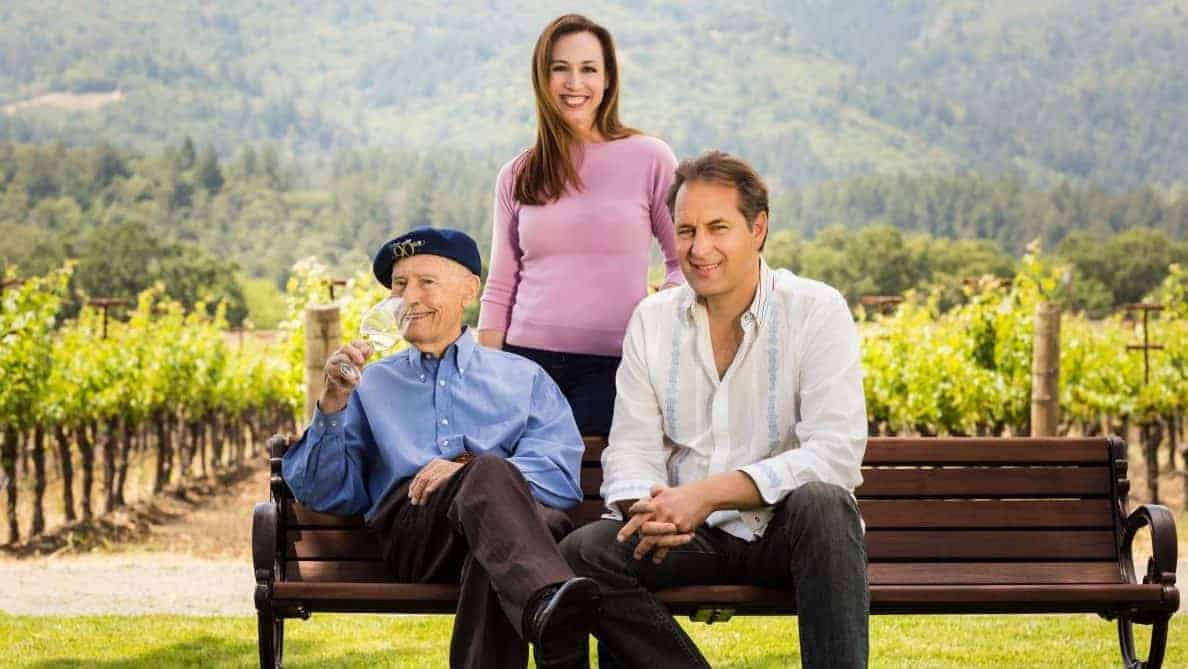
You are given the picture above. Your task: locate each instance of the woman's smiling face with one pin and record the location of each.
(577, 79)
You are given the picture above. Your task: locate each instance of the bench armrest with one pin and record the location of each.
(277, 445)
(1161, 568)
(265, 530)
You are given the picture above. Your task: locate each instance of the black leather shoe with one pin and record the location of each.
(562, 623)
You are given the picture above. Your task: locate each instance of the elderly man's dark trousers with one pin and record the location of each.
(813, 545)
(483, 530)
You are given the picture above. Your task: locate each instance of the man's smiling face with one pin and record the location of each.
(718, 249)
(436, 291)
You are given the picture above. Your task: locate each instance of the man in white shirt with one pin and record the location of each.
(738, 435)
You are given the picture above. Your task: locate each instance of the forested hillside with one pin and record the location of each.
(1049, 90)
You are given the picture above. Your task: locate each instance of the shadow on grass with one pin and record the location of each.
(212, 651)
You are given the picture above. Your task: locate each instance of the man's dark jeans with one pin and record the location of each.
(814, 545)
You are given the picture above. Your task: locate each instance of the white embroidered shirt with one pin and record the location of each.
(789, 409)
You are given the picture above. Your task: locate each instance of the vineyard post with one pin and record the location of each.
(10, 283)
(331, 284)
(883, 304)
(1146, 347)
(323, 334)
(1045, 370)
(1150, 432)
(106, 303)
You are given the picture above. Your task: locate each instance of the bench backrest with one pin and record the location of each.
(943, 511)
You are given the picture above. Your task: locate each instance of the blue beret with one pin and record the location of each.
(453, 244)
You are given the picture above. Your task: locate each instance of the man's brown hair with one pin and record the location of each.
(724, 169)
(550, 167)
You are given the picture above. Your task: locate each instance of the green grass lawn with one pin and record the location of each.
(421, 641)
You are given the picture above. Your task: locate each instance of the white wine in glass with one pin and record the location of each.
(381, 326)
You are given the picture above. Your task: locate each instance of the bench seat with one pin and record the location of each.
(748, 600)
(953, 525)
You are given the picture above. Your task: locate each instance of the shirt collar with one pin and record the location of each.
(758, 308)
(462, 349)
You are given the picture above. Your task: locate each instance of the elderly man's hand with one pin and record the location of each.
(431, 477)
(342, 372)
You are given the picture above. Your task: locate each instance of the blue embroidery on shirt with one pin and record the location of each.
(674, 368)
(674, 466)
(772, 480)
(773, 355)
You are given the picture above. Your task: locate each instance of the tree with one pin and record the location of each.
(187, 155)
(1127, 265)
(108, 165)
(122, 260)
(208, 174)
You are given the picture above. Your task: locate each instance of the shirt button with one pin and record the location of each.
(445, 421)
(441, 383)
(445, 442)
(422, 377)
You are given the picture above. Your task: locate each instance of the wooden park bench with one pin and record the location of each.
(953, 525)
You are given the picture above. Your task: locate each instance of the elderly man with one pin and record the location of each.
(461, 458)
(738, 434)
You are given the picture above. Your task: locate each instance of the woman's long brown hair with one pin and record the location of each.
(550, 167)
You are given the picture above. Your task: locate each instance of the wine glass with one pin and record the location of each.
(381, 326)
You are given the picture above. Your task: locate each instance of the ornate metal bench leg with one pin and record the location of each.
(1158, 643)
(271, 629)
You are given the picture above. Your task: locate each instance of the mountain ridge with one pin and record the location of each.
(1056, 90)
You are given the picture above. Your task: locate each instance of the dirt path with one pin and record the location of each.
(194, 559)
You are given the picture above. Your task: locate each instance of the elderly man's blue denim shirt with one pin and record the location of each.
(411, 408)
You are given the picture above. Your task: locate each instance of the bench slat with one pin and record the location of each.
(993, 573)
(591, 478)
(877, 513)
(957, 450)
(346, 573)
(880, 545)
(974, 450)
(1045, 481)
(985, 482)
(933, 598)
(298, 515)
(978, 514)
(593, 453)
(990, 545)
(744, 600)
(587, 511)
(332, 545)
(972, 514)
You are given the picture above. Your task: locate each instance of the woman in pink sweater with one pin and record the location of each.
(574, 220)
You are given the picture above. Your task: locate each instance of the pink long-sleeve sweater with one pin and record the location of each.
(566, 276)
